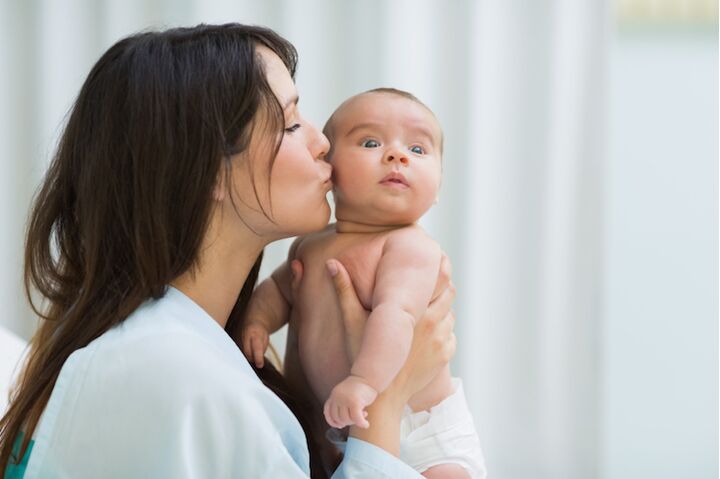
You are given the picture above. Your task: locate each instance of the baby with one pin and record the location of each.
(386, 157)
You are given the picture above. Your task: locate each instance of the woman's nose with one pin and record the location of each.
(395, 155)
(321, 145)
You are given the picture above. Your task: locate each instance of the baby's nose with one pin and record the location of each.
(396, 156)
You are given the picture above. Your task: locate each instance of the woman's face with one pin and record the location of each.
(300, 178)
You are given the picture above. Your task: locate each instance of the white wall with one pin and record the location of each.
(660, 337)
(580, 209)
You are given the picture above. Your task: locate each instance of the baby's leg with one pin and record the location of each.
(446, 471)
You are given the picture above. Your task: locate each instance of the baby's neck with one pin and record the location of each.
(345, 226)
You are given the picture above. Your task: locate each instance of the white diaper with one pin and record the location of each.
(443, 435)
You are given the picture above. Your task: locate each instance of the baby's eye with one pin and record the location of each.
(370, 144)
(418, 150)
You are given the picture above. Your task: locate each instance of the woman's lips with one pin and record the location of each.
(328, 183)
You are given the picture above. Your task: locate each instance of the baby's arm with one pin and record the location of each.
(268, 310)
(404, 283)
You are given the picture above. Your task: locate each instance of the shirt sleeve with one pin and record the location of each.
(363, 460)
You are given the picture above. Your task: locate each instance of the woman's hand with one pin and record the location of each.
(352, 311)
(432, 347)
(433, 338)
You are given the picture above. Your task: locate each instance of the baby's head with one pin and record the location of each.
(386, 152)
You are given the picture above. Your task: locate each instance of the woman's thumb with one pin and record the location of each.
(350, 305)
(341, 279)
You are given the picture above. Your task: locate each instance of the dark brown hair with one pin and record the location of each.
(127, 198)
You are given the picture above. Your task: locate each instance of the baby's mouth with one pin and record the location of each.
(395, 178)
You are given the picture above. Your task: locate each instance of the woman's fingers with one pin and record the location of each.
(451, 346)
(350, 305)
(446, 336)
(445, 340)
(352, 311)
(443, 279)
(440, 306)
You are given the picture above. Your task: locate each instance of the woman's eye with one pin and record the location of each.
(370, 144)
(418, 150)
(293, 128)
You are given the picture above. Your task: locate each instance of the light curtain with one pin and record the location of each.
(517, 86)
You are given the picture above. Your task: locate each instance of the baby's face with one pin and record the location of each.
(386, 160)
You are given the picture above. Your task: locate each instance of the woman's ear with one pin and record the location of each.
(220, 188)
(218, 193)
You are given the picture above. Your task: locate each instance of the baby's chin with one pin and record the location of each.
(381, 217)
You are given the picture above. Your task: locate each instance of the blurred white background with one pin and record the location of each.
(579, 202)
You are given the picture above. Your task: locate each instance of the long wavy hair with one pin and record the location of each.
(127, 198)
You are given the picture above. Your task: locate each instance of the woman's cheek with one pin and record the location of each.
(312, 219)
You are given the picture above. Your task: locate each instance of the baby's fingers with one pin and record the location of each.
(246, 346)
(343, 416)
(258, 351)
(358, 417)
(330, 416)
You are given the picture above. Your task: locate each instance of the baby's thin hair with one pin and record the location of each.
(328, 128)
(395, 91)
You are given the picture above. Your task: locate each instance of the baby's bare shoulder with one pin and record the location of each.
(312, 241)
(413, 237)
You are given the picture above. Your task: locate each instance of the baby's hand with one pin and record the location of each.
(347, 402)
(255, 339)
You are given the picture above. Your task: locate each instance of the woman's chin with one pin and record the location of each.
(323, 217)
(312, 221)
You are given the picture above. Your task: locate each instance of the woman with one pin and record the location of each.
(184, 155)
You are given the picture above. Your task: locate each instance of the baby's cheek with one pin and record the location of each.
(350, 181)
(430, 185)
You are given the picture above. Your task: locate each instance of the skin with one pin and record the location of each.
(376, 134)
(419, 369)
(238, 231)
(386, 168)
(386, 161)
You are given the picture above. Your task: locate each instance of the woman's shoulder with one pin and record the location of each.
(166, 345)
(156, 389)
(158, 359)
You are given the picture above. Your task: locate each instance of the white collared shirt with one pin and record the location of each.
(167, 393)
